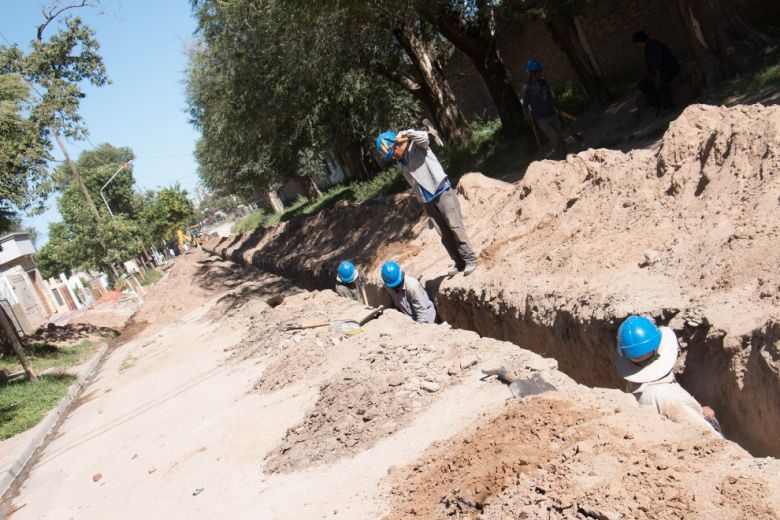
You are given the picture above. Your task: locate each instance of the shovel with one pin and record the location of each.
(347, 326)
(536, 384)
(343, 326)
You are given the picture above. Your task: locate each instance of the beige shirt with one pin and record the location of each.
(671, 400)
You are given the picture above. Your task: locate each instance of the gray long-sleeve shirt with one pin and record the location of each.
(411, 299)
(420, 167)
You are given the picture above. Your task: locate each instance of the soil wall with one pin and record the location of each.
(686, 233)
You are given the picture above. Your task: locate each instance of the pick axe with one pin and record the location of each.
(521, 387)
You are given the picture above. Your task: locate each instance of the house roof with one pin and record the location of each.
(10, 236)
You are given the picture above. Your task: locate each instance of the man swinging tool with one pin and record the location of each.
(423, 171)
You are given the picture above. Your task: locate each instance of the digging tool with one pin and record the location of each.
(343, 326)
(431, 130)
(347, 326)
(521, 387)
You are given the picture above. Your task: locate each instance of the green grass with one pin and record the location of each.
(763, 78)
(488, 152)
(43, 356)
(24, 404)
(151, 276)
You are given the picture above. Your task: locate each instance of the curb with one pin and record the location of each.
(49, 422)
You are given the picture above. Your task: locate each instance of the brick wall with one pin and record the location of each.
(608, 27)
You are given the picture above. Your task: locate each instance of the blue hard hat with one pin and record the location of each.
(346, 272)
(392, 274)
(637, 336)
(385, 143)
(533, 65)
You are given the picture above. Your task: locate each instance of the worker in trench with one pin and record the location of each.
(541, 110)
(645, 358)
(423, 171)
(662, 68)
(350, 283)
(407, 294)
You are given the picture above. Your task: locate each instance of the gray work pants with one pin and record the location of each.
(445, 211)
(552, 129)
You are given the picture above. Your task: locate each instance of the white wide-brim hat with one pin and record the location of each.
(666, 357)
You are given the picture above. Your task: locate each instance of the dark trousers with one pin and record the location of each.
(445, 211)
(660, 96)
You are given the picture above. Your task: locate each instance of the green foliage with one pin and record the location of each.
(80, 242)
(165, 212)
(254, 220)
(24, 404)
(386, 183)
(765, 77)
(43, 356)
(269, 102)
(571, 99)
(55, 69)
(151, 277)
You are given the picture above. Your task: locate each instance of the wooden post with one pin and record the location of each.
(9, 331)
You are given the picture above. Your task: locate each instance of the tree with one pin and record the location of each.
(81, 242)
(470, 25)
(560, 19)
(165, 212)
(272, 89)
(23, 155)
(718, 39)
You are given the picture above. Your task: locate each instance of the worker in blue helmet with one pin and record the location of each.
(407, 294)
(645, 358)
(350, 283)
(541, 109)
(423, 171)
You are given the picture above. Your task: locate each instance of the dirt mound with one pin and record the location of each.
(460, 478)
(685, 232)
(400, 369)
(549, 458)
(71, 332)
(204, 278)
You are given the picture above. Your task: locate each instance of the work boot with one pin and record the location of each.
(470, 268)
(454, 270)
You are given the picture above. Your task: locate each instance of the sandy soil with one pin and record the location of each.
(222, 413)
(685, 231)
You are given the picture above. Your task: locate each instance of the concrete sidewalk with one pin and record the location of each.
(17, 451)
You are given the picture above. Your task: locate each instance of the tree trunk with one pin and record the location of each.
(477, 40)
(436, 93)
(351, 156)
(9, 333)
(718, 39)
(564, 31)
(310, 188)
(274, 201)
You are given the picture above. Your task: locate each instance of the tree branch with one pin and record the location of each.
(57, 9)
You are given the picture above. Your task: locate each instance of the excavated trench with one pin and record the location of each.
(748, 413)
(562, 259)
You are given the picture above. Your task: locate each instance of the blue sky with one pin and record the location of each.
(143, 44)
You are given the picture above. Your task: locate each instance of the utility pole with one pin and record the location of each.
(76, 175)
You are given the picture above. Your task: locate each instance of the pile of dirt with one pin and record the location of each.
(70, 332)
(551, 458)
(203, 277)
(398, 370)
(685, 232)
